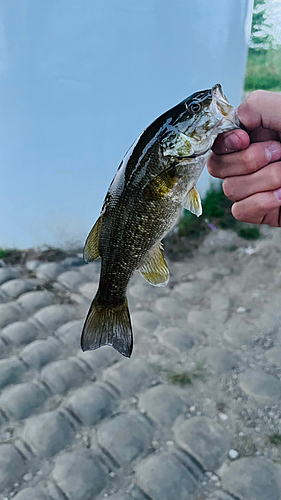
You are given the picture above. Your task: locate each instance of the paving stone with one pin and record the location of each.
(141, 290)
(8, 273)
(188, 290)
(204, 439)
(89, 290)
(70, 333)
(200, 318)
(73, 261)
(162, 403)
(72, 279)
(221, 238)
(16, 287)
(32, 301)
(22, 400)
(47, 433)
(220, 495)
(273, 356)
(125, 437)
(3, 349)
(3, 297)
(163, 478)
(49, 271)
(92, 270)
(219, 302)
(8, 313)
(264, 388)
(176, 337)
(41, 352)
(31, 494)
(11, 466)
(100, 358)
(20, 333)
(60, 376)
(51, 317)
(120, 496)
(90, 404)
(205, 274)
(255, 478)
(129, 376)
(11, 371)
(144, 321)
(32, 265)
(239, 331)
(168, 306)
(80, 474)
(218, 360)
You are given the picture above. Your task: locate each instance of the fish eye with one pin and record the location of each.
(194, 107)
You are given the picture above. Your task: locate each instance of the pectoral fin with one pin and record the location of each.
(91, 248)
(155, 269)
(193, 202)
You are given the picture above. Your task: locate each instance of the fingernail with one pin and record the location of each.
(277, 194)
(273, 152)
(232, 142)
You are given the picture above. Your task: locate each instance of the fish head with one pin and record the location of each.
(196, 123)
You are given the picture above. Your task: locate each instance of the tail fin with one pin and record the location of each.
(108, 326)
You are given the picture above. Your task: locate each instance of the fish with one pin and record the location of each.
(155, 180)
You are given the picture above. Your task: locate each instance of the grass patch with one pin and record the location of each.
(246, 446)
(186, 377)
(263, 70)
(249, 233)
(275, 439)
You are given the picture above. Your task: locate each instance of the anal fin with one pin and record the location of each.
(91, 248)
(155, 269)
(193, 202)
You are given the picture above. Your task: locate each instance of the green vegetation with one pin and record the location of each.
(264, 56)
(263, 70)
(187, 377)
(3, 253)
(275, 439)
(216, 214)
(245, 446)
(249, 233)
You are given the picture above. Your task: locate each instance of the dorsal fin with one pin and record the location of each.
(155, 269)
(91, 248)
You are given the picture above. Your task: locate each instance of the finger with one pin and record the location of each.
(261, 134)
(259, 109)
(231, 141)
(273, 218)
(242, 186)
(256, 156)
(256, 208)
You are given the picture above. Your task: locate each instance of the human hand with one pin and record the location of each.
(249, 163)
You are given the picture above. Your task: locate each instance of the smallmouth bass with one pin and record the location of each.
(154, 182)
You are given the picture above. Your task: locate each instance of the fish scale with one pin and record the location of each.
(155, 180)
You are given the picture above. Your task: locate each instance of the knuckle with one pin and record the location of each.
(275, 176)
(249, 160)
(255, 97)
(214, 165)
(211, 165)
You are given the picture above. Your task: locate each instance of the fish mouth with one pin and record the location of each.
(224, 112)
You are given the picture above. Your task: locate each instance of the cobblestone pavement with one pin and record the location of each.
(195, 413)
